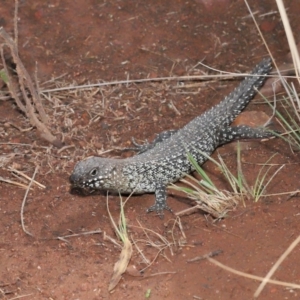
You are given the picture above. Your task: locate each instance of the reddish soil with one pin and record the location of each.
(91, 41)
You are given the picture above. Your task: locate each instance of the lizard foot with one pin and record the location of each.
(159, 209)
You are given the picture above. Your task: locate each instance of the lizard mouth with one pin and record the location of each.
(79, 187)
(81, 190)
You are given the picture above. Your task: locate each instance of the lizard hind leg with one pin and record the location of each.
(229, 134)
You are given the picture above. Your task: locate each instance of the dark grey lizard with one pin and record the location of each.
(165, 160)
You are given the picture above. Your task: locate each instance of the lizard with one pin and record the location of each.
(165, 160)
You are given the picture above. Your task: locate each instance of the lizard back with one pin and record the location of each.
(168, 161)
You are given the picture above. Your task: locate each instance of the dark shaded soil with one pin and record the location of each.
(91, 41)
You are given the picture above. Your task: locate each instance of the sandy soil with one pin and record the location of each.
(93, 41)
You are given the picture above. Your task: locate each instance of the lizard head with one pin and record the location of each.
(93, 173)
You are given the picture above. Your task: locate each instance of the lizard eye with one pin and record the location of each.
(94, 172)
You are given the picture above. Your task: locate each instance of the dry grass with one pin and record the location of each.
(148, 239)
(216, 204)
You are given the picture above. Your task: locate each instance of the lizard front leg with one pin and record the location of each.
(160, 201)
(140, 148)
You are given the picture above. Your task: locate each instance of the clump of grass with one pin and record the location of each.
(261, 182)
(208, 198)
(289, 118)
(218, 202)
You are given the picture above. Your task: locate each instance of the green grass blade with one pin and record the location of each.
(4, 76)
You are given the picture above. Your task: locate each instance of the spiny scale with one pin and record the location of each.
(165, 159)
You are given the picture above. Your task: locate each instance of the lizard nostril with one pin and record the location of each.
(72, 178)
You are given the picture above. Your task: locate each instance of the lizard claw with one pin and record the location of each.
(159, 209)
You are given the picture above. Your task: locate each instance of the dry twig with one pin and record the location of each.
(229, 269)
(24, 201)
(276, 265)
(31, 105)
(80, 234)
(25, 176)
(205, 256)
(13, 182)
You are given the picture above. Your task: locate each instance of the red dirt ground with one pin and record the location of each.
(91, 41)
